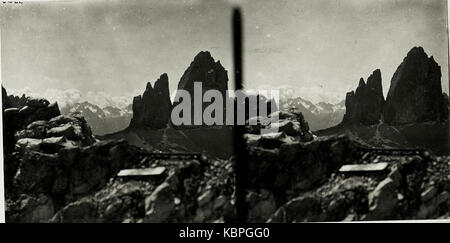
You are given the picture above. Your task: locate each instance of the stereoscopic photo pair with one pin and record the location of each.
(120, 111)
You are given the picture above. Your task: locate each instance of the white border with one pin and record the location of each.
(2, 191)
(2, 188)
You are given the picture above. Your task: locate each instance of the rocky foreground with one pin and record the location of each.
(57, 171)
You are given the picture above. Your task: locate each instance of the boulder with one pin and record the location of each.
(205, 198)
(383, 200)
(28, 144)
(261, 206)
(30, 208)
(273, 140)
(83, 211)
(159, 205)
(299, 209)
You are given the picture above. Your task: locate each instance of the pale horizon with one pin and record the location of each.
(318, 49)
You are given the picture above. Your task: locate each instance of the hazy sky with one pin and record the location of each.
(115, 47)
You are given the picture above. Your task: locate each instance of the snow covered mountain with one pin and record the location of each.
(102, 120)
(319, 115)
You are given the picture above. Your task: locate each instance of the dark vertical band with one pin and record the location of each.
(241, 168)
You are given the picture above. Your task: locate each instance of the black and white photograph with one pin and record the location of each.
(225, 111)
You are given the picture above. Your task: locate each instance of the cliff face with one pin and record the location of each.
(210, 73)
(204, 69)
(152, 108)
(415, 94)
(365, 105)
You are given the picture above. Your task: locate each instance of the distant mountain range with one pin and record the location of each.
(102, 120)
(112, 119)
(319, 116)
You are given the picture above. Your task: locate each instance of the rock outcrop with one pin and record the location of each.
(152, 108)
(365, 105)
(415, 94)
(411, 187)
(19, 112)
(6, 103)
(206, 70)
(52, 159)
(210, 73)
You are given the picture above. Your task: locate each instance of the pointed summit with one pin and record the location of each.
(365, 105)
(361, 83)
(210, 73)
(152, 108)
(206, 70)
(415, 94)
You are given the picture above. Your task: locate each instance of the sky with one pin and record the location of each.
(106, 51)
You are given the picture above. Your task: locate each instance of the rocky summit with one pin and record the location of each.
(152, 108)
(365, 105)
(415, 94)
(210, 73)
(206, 70)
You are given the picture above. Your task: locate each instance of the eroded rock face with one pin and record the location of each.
(412, 187)
(152, 109)
(6, 103)
(210, 73)
(52, 159)
(365, 105)
(415, 94)
(206, 70)
(288, 167)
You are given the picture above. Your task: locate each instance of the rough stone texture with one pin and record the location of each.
(209, 72)
(415, 94)
(19, 112)
(288, 123)
(295, 166)
(33, 208)
(382, 200)
(365, 105)
(261, 206)
(152, 109)
(6, 103)
(159, 205)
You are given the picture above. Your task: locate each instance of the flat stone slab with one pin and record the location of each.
(364, 167)
(142, 172)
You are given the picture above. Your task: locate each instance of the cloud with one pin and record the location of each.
(71, 96)
(313, 93)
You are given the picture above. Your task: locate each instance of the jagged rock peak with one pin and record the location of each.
(206, 70)
(204, 55)
(365, 105)
(361, 84)
(415, 94)
(152, 108)
(6, 103)
(210, 73)
(162, 84)
(374, 81)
